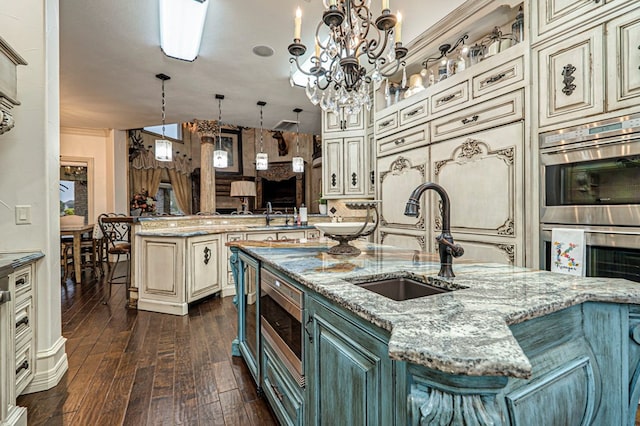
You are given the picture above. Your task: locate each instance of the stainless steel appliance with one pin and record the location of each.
(590, 174)
(590, 180)
(281, 309)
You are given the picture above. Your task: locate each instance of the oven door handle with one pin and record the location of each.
(306, 329)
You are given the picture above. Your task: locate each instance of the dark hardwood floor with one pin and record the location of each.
(141, 368)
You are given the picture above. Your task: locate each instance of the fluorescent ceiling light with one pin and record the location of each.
(181, 26)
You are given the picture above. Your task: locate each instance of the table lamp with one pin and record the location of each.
(243, 189)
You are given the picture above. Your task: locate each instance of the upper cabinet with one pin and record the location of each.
(345, 167)
(9, 60)
(548, 15)
(342, 122)
(590, 73)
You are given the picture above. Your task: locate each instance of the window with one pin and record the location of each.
(166, 201)
(173, 131)
(74, 189)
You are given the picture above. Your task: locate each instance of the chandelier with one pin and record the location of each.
(347, 40)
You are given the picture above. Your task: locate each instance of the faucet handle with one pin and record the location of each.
(455, 250)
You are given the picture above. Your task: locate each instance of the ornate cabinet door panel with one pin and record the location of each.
(623, 50)
(571, 76)
(203, 272)
(354, 178)
(550, 14)
(483, 175)
(162, 277)
(398, 176)
(371, 165)
(332, 167)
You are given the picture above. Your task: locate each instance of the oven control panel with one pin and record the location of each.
(619, 126)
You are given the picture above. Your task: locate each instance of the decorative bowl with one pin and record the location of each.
(344, 228)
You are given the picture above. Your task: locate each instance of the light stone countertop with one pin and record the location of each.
(465, 331)
(191, 231)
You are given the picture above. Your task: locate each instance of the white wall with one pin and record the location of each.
(29, 168)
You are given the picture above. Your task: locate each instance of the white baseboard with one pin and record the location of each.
(50, 367)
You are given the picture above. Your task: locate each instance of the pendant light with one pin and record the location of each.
(297, 161)
(262, 159)
(220, 159)
(163, 148)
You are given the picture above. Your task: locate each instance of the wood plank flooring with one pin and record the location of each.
(130, 367)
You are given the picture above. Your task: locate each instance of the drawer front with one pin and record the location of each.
(313, 234)
(24, 367)
(24, 320)
(262, 237)
(282, 393)
(414, 113)
(451, 97)
(498, 111)
(507, 74)
(23, 278)
(386, 124)
(401, 141)
(290, 235)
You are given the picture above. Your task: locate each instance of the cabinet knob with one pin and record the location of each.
(470, 120)
(399, 141)
(496, 77)
(354, 179)
(334, 180)
(446, 99)
(21, 321)
(20, 281)
(414, 112)
(386, 123)
(567, 79)
(23, 366)
(306, 329)
(207, 255)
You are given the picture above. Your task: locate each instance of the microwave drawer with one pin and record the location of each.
(401, 141)
(502, 110)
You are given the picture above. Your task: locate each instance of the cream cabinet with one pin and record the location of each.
(483, 174)
(174, 271)
(551, 15)
(571, 75)
(623, 52)
(398, 176)
(203, 271)
(371, 165)
(344, 168)
(24, 322)
(341, 121)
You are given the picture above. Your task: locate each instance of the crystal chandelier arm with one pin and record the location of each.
(317, 73)
(394, 70)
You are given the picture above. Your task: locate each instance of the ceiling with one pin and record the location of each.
(110, 54)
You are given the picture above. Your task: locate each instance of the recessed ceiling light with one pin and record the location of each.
(264, 51)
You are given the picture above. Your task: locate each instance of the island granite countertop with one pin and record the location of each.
(465, 331)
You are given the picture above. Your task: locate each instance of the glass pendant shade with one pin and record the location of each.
(298, 164)
(262, 161)
(220, 159)
(163, 150)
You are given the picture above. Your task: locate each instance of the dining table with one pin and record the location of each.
(77, 230)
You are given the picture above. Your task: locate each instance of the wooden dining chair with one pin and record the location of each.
(119, 245)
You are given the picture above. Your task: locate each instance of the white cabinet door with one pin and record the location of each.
(355, 180)
(550, 14)
(370, 150)
(623, 51)
(332, 167)
(203, 273)
(342, 122)
(162, 275)
(398, 176)
(571, 76)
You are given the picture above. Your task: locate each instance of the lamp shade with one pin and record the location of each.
(243, 188)
(298, 164)
(163, 150)
(262, 161)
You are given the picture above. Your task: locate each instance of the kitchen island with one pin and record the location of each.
(502, 345)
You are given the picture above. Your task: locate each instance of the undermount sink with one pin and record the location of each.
(401, 288)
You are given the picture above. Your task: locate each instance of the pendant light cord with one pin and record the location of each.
(163, 109)
(220, 124)
(297, 133)
(260, 128)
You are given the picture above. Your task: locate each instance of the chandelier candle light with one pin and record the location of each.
(163, 150)
(297, 161)
(262, 159)
(337, 79)
(220, 159)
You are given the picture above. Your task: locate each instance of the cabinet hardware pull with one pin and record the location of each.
(279, 394)
(399, 141)
(446, 99)
(414, 112)
(20, 281)
(496, 77)
(24, 321)
(386, 123)
(568, 79)
(470, 120)
(306, 329)
(354, 179)
(333, 179)
(372, 177)
(23, 366)
(207, 255)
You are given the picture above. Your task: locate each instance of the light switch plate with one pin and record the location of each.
(23, 215)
